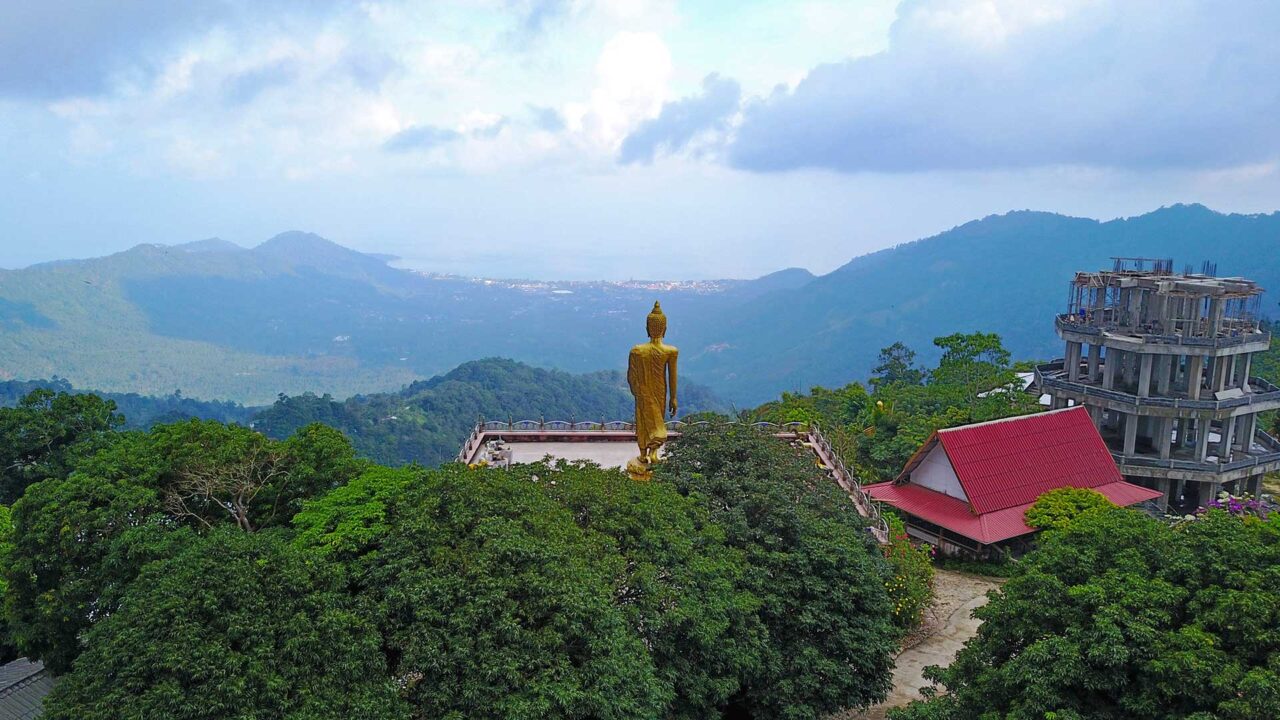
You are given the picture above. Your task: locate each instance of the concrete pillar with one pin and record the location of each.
(1073, 361)
(1208, 491)
(1164, 375)
(1095, 414)
(1130, 434)
(1194, 373)
(1059, 402)
(1164, 437)
(1144, 375)
(1244, 372)
(1244, 434)
(1253, 485)
(1109, 368)
(1202, 439)
(1221, 365)
(1179, 490)
(1225, 438)
(1095, 358)
(1164, 486)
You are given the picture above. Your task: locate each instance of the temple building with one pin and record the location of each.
(968, 488)
(1162, 363)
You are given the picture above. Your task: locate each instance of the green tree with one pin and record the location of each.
(81, 539)
(1058, 508)
(43, 435)
(896, 366)
(494, 603)
(680, 588)
(7, 649)
(233, 626)
(811, 563)
(1118, 615)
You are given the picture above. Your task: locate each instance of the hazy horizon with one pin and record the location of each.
(459, 267)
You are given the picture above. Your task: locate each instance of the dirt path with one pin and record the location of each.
(947, 626)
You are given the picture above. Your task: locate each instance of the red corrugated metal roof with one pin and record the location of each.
(1006, 463)
(990, 527)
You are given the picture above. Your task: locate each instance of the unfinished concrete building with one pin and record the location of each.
(1162, 362)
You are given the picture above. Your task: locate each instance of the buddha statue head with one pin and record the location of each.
(656, 323)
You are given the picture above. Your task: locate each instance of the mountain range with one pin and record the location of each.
(299, 313)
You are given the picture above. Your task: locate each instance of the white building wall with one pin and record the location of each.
(935, 472)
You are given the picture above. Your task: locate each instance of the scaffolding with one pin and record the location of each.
(1143, 296)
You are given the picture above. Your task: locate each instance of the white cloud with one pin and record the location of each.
(984, 84)
(632, 76)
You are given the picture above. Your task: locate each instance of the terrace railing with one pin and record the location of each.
(1051, 376)
(1230, 338)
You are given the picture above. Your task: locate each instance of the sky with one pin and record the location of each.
(615, 139)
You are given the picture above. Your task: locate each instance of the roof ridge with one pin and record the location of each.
(1011, 418)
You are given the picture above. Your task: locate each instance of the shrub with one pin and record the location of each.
(911, 584)
(1057, 509)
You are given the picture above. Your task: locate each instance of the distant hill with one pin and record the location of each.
(140, 411)
(1006, 273)
(428, 421)
(299, 313)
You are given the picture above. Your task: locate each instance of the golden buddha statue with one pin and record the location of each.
(651, 373)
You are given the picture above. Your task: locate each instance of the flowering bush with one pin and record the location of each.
(911, 584)
(1238, 506)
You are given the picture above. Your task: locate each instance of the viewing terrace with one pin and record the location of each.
(612, 444)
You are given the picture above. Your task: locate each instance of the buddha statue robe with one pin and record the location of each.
(651, 374)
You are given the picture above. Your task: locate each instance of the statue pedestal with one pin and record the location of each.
(639, 470)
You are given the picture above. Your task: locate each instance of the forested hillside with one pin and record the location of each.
(1006, 274)
(428, 421)
(139, 411)
(301, 314)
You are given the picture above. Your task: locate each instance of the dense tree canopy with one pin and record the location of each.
(177, 571)
(7, 649)
(235, 625)
(682, 589)
(42, 435)
(811, 563)
(81, 538)
(495, 604)
(1119, 616)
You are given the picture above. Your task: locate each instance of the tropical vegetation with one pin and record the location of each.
(204, 570)
(1119, 615)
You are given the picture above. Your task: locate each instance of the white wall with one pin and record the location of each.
(935, 472)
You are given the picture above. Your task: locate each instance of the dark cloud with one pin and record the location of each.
(59, 48)
(420, 137)
(1128, 83)
(546, 118)
(682, 120)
